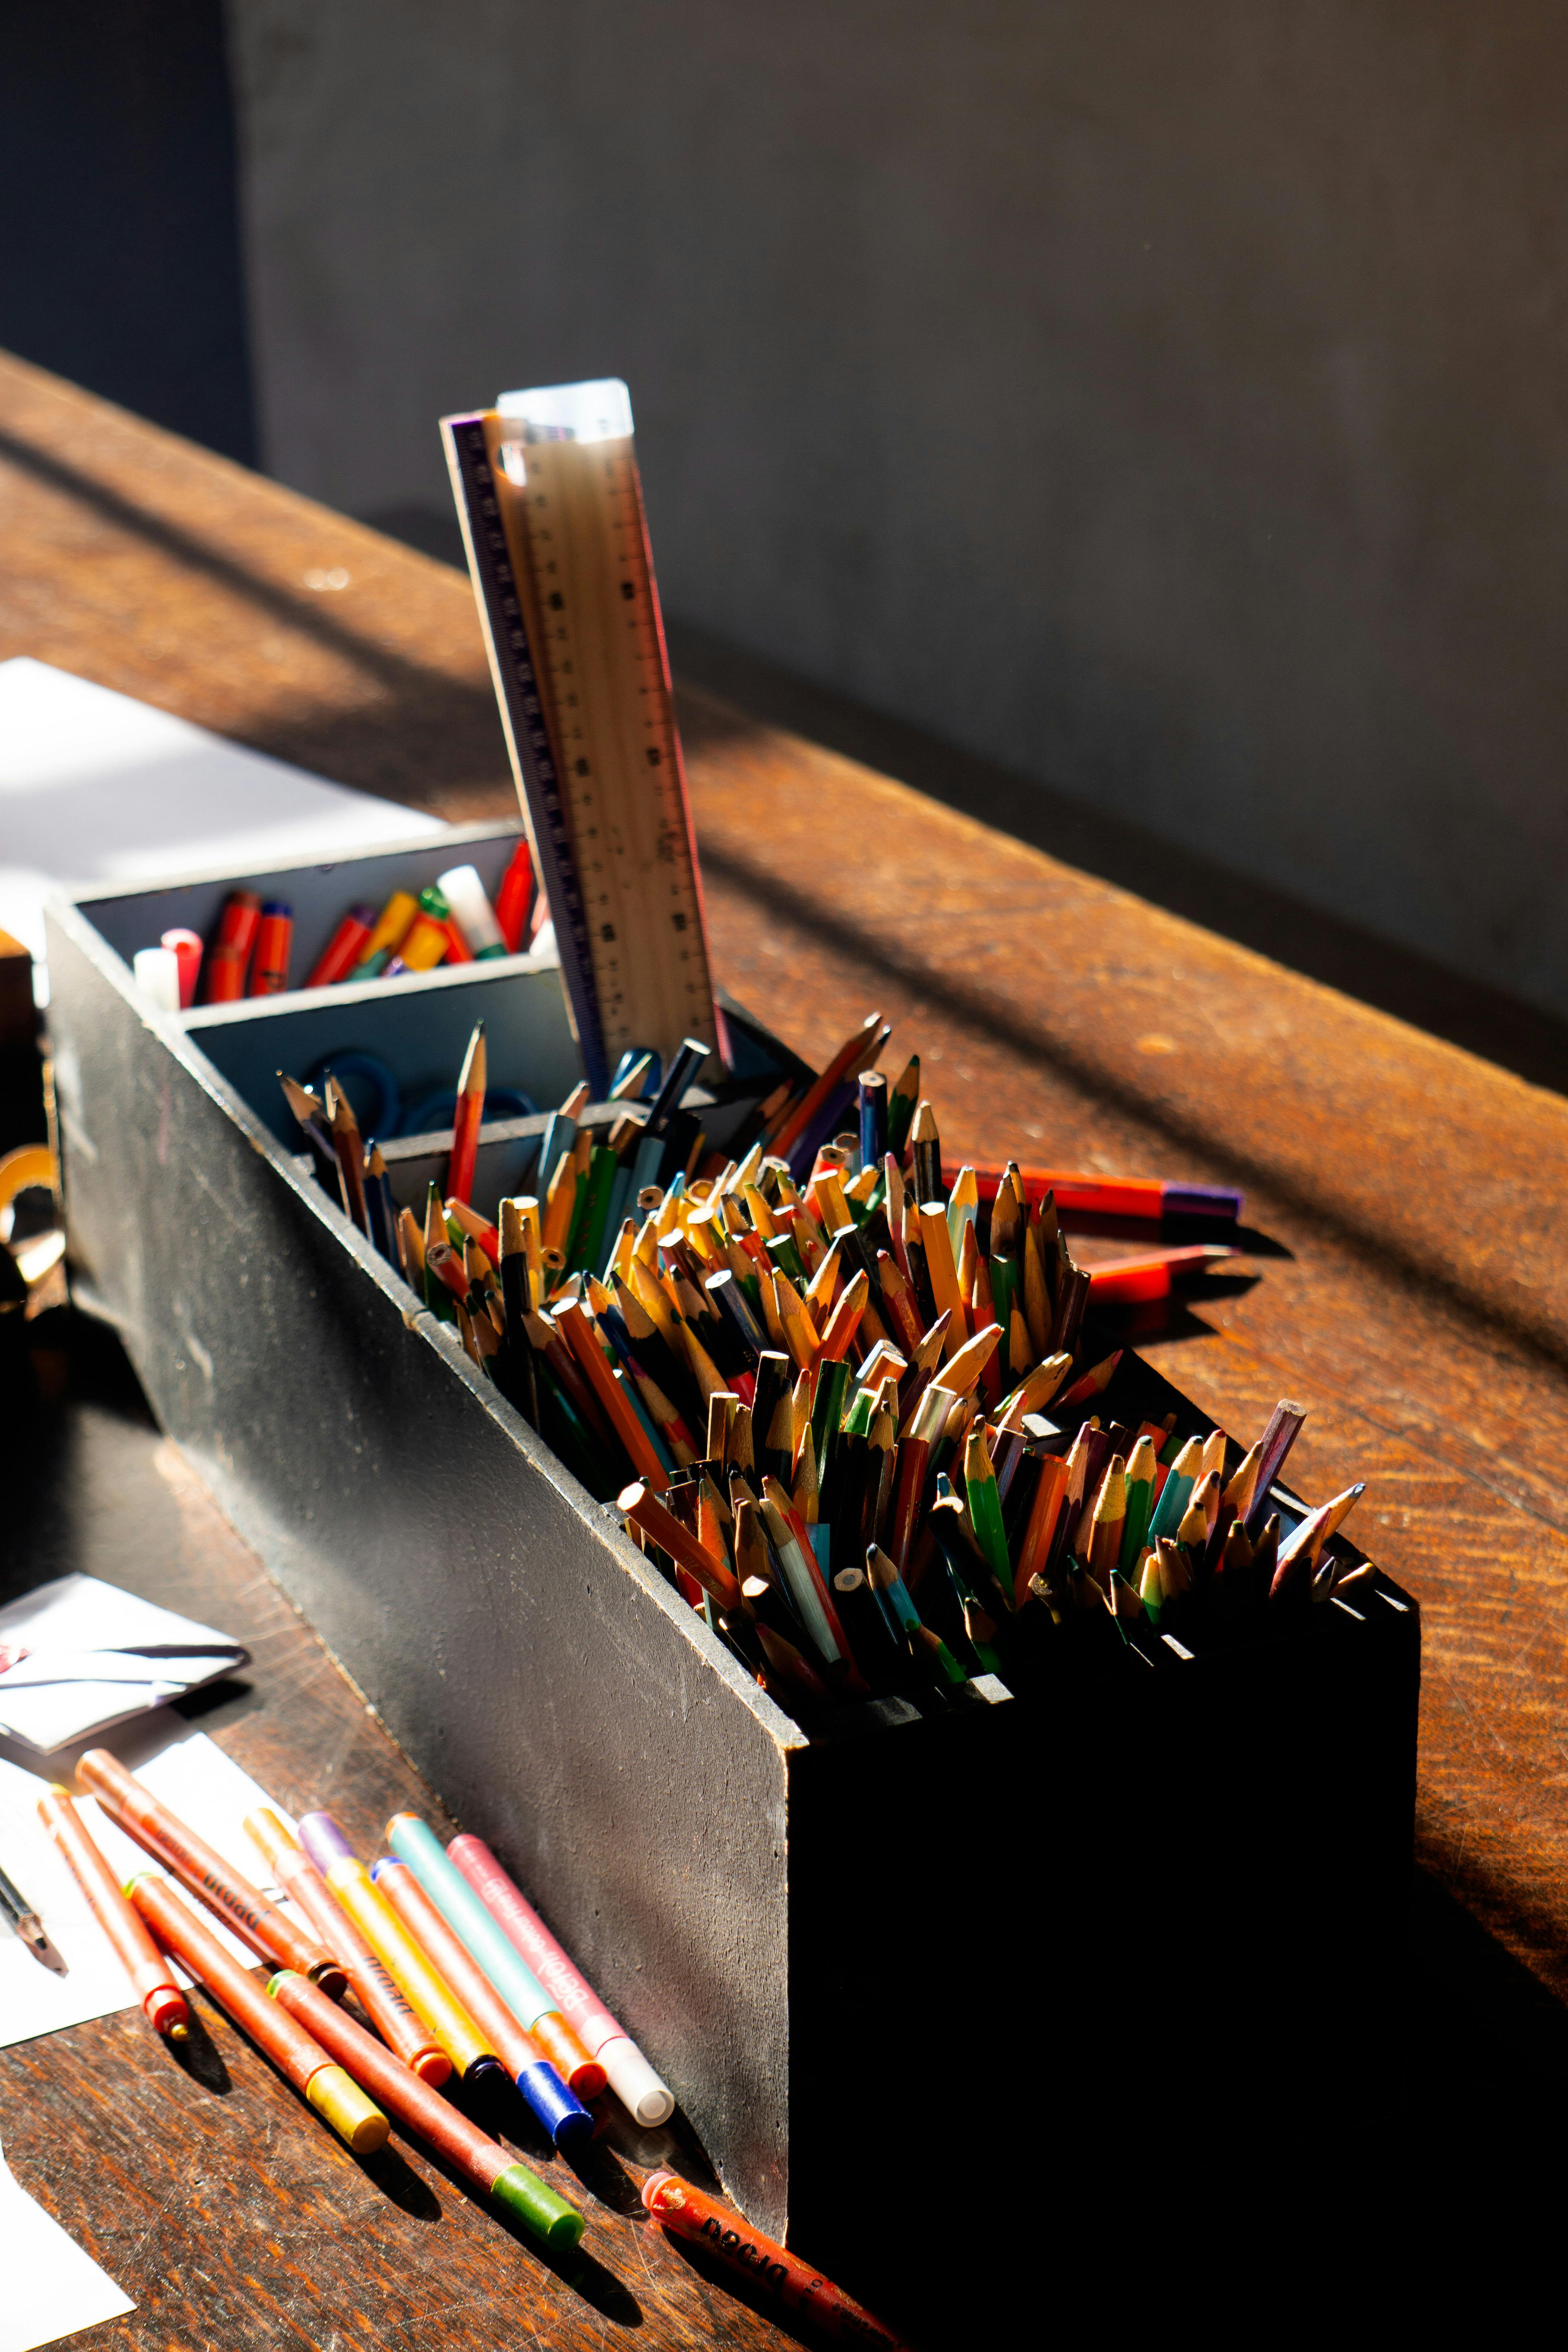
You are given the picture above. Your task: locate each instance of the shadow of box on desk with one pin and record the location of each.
(786, 1922)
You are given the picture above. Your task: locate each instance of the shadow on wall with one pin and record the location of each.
(120, 265)
(1484, 1021)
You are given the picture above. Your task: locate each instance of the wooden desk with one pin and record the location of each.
(1415, 1293)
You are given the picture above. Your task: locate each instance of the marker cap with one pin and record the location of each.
(166, 2008)
(538, 2207)
(634, 2081)
(157, 975)
(357, 2120)
(324, 1842)
(567, 2120)
(567, 2054)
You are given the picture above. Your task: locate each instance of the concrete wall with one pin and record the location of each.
(1169, 403)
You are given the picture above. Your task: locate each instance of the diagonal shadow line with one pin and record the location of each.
(392, 669)
(1509, 1919)
(1028, 1039)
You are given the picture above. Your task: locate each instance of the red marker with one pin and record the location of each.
(230, 953)
(345, 949)
(513, 897)
(223, 978)
(470, 1111)
(186, 947)
(274, 938)
(687, 2213)
(236, 925)
(1152, 1275)
(162, 2003)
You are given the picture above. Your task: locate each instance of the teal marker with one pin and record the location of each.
(415, 1843)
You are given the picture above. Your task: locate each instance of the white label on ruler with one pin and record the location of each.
(602, 665)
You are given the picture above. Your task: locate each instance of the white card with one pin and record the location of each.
(52, 2288)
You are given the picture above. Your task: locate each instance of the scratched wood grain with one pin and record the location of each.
(206, 2188)
(1408, 1205)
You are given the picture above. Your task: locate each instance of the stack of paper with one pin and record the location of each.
(78, 1657)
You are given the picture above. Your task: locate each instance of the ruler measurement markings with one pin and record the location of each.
(585, 596)
(471, 444)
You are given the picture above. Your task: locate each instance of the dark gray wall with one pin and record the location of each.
(119, 234)
(1168, 404)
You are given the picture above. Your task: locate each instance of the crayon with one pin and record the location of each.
(418, 2108)
(564, 2117)
(241, 1907)
(374, 1987)
(302, 2062)
(497, 1951)
(274, 938)
(632, 2079)
(162, 2003)
(690, 2213)
(421, 1985)
(344, 949)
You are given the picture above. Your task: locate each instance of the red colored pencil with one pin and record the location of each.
(470, 1111)
(1108, 1196)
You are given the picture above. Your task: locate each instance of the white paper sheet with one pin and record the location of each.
(97, 787)
(51, 2287)
(194, 1779)
(79, 1655)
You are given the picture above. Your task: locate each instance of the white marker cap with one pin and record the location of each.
(157, 971)
(465, 894)
(634, 2081)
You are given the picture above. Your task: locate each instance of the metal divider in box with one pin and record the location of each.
(396, 1040)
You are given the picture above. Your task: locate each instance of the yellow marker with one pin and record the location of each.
(391, 929)
(428, 1994)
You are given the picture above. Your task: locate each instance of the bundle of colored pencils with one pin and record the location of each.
(841, 1399)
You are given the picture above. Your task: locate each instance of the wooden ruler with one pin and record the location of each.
(551, 506)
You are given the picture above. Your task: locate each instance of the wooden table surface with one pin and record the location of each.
(1408, 1205)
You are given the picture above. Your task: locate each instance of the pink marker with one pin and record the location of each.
(631, 2078)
